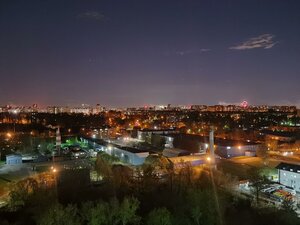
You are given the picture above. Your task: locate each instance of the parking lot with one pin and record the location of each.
(273, 193)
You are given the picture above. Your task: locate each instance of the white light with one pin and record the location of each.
(228, 147)
(206, 145)
(94, 135)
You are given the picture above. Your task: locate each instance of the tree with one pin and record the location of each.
(95, 214)
(186, 176)
(262, 152)
(158, 141)
(111, 213)
(158, 162)
(122, 177)
(202, 207)
(58, 214)
(103, 166)
(257, 181)
(159, 216)
(127, 211)
(21, 191)
(272, 144)
(288, 205)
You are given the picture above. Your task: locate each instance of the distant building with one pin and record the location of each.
(289, 175)
(84, 109)
(284, 136)
(57, 109)
(97, 110)
(13, 159)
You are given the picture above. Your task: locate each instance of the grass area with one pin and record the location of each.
(255, 161)
(235, 169)
(41, 169)
(4, 187)
(12, 176)
(240, 166)
(2, 163)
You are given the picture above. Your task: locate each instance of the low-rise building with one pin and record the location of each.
(13, 159)
(289, 175)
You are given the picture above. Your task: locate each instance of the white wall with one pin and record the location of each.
(290, 179)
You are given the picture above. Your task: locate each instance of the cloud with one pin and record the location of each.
(92, 15)
(265, 41)
(186, 52)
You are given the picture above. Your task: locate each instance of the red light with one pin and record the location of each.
(244, 104)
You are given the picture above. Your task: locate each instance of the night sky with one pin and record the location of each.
(129, 53)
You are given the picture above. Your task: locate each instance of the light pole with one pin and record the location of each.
(15, 112)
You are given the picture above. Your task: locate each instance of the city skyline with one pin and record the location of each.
(133, 53)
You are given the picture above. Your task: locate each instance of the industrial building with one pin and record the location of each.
(126, 154)
(147, 133)
(200, 144)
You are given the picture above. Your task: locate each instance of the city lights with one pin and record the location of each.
(150, 112)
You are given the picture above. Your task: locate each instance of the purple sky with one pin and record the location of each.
(125, 53)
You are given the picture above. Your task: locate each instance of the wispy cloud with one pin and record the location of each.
(265, 41)
(92, 15)
(191, 51)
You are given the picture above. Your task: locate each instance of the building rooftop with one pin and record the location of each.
(218, 141)
(289, 167)
(288, 134)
